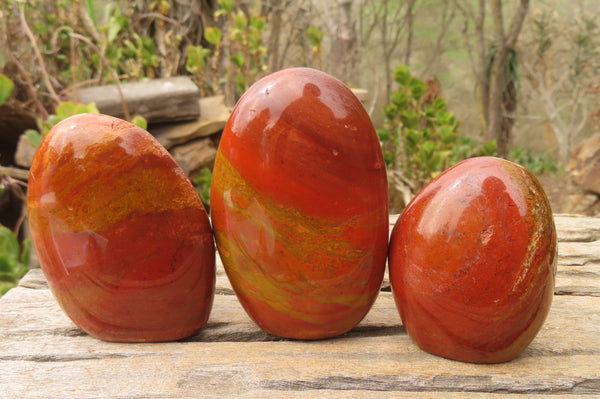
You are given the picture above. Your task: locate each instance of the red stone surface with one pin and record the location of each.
(473, 261)
(121, 234)
(299, 205)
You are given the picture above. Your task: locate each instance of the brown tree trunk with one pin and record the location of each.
(483, 85)
(409, 17)
(495, 113)
(505, 42)
(344, 44)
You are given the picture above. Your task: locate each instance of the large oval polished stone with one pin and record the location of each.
(121, 235)
(473, 261)
(299, 205)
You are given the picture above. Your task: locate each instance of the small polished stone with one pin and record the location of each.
(121, 235)
(299, 205)
(473, 262)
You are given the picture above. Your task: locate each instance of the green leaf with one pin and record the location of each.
(65, 109)
(91, 10)
(40, 28)
(447, 134)
(390, 112)
(410, 119)
(490, 147)
(402, 75)
(254, 38)
(91, 108)
(412, 137)
(258, 23)
(26, 251)
(240, 83)
(9, 245)
(34, 137)
(213, 35)
(383, 134)
(114, 27)
(6, 267)
(122, 20)
(428, 148)
(140, 121)
(399, 99)
(7, 277)
(203, 181)
(439, 104)
(240, 21)
(226, 5)
(238, 59)
(6, 88)
(5, 287)
(418, 88)
(196, 56)
(315, 36)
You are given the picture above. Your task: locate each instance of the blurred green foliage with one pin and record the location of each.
(241, 37)
(64, 110)
(420, 135)
(14, 260)
(202, 182)
(6, 88)
(536, 162)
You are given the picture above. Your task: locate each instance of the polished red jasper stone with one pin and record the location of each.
(122, 237)
(473, 261)
(299, 205)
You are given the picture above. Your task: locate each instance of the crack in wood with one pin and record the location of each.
(438, 383)
(587, 386)
(62, 358)
(230, 332)
(578, 291)
(69, 332)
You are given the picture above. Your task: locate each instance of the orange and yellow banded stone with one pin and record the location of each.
(473, 261)
(121, 235)
(299, 205)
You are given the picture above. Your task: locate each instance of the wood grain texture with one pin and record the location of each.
(43, 355)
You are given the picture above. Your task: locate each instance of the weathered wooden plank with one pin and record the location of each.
(44, 355)
(579, 253)
(577, 228)
(158, 100)
(578, 268)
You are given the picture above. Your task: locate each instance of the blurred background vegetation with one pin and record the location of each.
(547, 52)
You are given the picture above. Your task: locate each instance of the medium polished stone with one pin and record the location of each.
(473, 261)
(299, 205)
(121, 234)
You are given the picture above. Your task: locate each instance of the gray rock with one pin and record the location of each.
(25, 152)
(584, 166)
